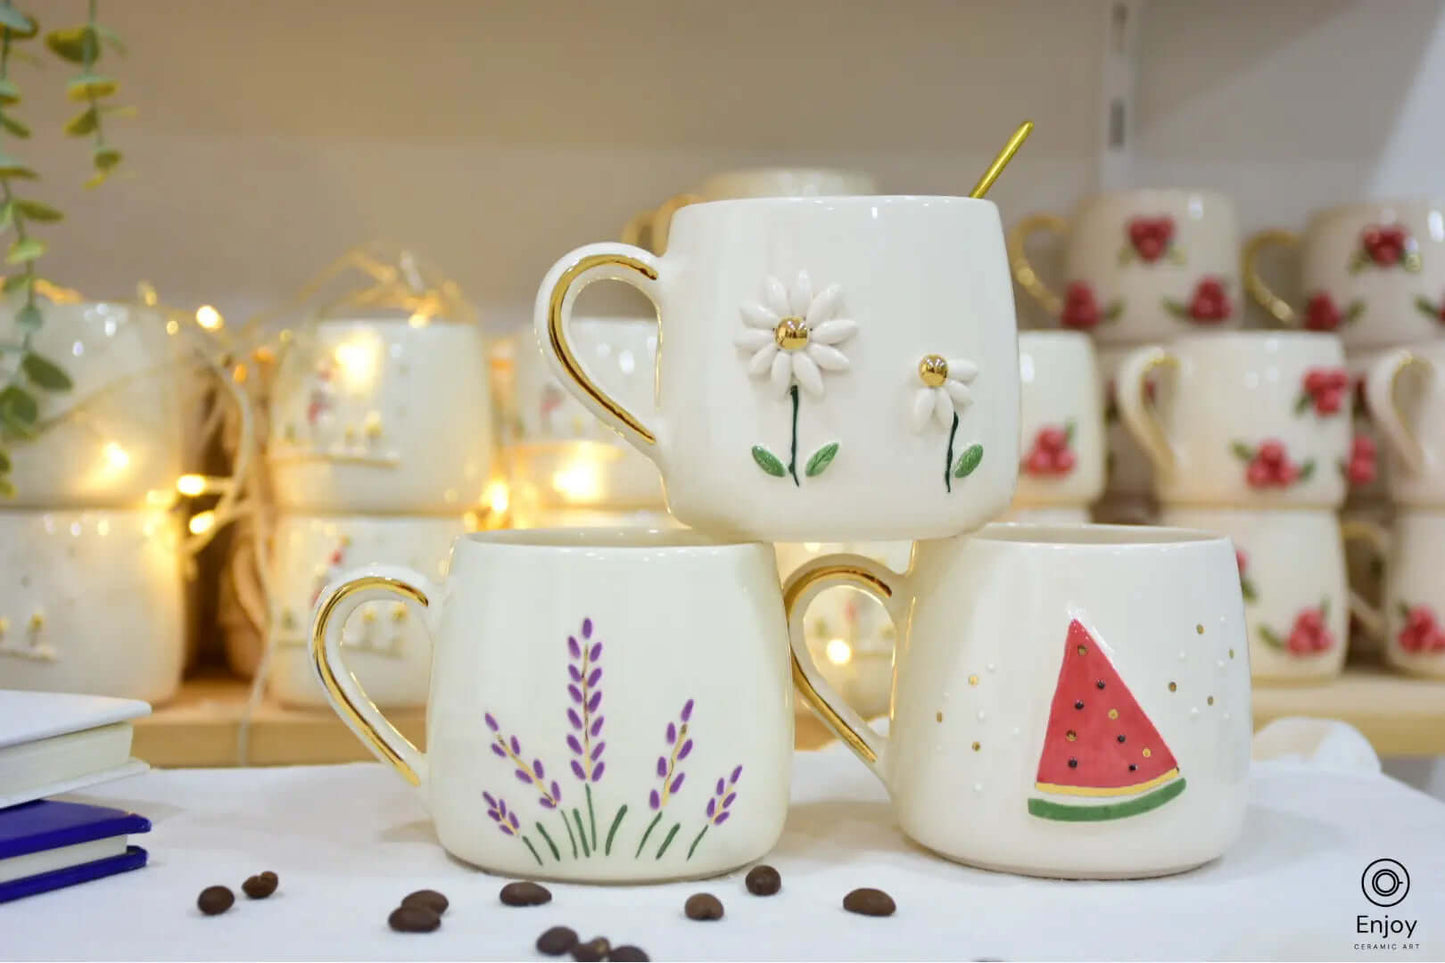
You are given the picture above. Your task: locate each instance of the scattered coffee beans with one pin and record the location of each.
(703, 906)
(215, 900)
(593, 950)
(260, 887)
(869, 902)
(557, 940)
(413, 919)
(763, 881)
(525, 894)
(631, 954)
(429, 898)
(271, 876)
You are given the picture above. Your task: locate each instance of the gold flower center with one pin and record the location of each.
(933, 370)
(791, 334)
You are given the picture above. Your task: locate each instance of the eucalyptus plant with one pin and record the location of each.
(29, 371)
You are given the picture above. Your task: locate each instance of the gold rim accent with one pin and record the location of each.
(1023, 268)
(1002, 160)
(563, 350)
(858, 578)
(1097, 791)
(1277, 306)
(1158, 439)
(348, 709)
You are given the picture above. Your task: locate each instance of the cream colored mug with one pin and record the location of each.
(1411, 622)
(1405, 393)
(1061, 421)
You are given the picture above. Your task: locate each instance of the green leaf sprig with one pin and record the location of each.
(82, 46)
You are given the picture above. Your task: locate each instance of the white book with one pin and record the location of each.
(52, 742)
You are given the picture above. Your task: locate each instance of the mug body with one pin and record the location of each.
(1150, 264)
(376, 415)
(1375, 272)
(1292, 577)
(1415, 594)
(1050, 718)
(116, 435)
(1048, 515)
(92, 602)
(1061, 421)
(1366, 467)
(1127, 469)
(601, 737)
(1257, 419)
(1419, 400)
(837, 367)
(386, 647)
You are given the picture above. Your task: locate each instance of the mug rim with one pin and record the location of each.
(1210, 194)
(835, 200)
(605, 538)
(1257, 337)
(1092, 536)
(1055, 335)
(1323, 214)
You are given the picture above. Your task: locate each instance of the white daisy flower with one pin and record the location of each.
(793, 334)
(944, 392)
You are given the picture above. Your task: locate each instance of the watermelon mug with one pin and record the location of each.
(1049, 716)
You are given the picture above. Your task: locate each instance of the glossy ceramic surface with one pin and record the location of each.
(1405, 388)
(1412, 618)
(1061, 421)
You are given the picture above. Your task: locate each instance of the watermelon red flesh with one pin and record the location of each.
(1082, 753)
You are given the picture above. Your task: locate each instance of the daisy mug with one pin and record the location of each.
(1069, 701)
(829, 368)
(588, 739)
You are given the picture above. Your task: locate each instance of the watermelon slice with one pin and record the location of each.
(1099, 743)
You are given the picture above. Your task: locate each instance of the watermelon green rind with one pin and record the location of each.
(1068, 813)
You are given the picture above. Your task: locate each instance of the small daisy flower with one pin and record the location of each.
(944, 392)
(793, 334)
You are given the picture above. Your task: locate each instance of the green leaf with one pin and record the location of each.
(46, 373)
(1302, 403)
(37, 211)
(1353, 312)
(768, 462)
(9, 93)
(968, 461)
(109, 36)
(18, 407)
(106, 158)
(1246, 587)
(7, 488)
(1428, 309)
(15, 281)
(821, 459)
(4, 462)
(1325, 609)
(14, 167)
(1177, 308)
(75, 44)
(1403, 609)
(16, 127)
(1358, 262)
(16, 22)
(1241, 450)
(1269, 637)
(7, 216)
(83, 123)
(90, 86)
(96, 179)
(29, 318)
(1114, 309)
(26, 250)
(1175, 255)
(1069, 427)
(1306, 470)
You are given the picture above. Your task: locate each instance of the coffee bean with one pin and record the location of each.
(557, 940)
(259, 887)
(631, 954)
(869, 902)
(215, 900)
(703, 906)
(593, 950)
(413, 919)
(271, 876)
(763, 881)
(525, 894)
(429, 898)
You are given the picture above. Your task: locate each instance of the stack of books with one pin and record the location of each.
(52, 743)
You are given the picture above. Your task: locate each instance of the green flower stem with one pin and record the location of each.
(533, 850)
(948, 458)
(568, 826)
(582, 833)
(793, 457)
(616, 821)
(550, 845)
(668, 841)
(591, 816)
(650, 826)
(693, 848)
(90, 50)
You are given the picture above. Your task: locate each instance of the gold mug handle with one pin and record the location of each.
(341, 686)
(638, 230)
(1382, 388)
(1254, 283)
(830, 571)
(1023, 268)
(661, 226)
(553, 314)
(1139, 415)
(1372, 617)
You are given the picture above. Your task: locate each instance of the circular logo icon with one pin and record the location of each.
(1385, 882)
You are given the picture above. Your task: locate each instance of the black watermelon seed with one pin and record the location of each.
(1073, 763)
(1120, 737)
(1079, 704)
(1099, 684)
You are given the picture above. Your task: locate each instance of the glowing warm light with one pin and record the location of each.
(102, 527)
(578, 482)
(202, 523)
(191, 485)
(209, 318)
(357, 361)
(116, 456)
(419, 320)
(160, 499)
(172, 326)
(838, 652)
(812, 546)
(498, 497)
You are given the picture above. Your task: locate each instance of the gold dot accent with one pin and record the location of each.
(1173, 687)
(1199, 628)
(368, 616)
(1083, 649)
(398, 614)
(977, 747)
(1210, 700)
(372, 424)
(1231, 653)
(4, 626)
(1147, 752)
(939, 715)
(791, 334)
(1071, 735)
(37, 620)
(1113, 713)
(932, 370)
(973, 680)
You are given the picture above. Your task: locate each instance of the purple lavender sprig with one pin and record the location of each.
(533, 774)
(507, 822)
(719, 805)
(668, 771)
(584, 715)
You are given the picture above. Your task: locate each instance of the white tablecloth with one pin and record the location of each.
(350, 841)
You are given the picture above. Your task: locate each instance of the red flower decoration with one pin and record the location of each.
(1246, 584)
(1151, 237)
(1385, 246)
(1209, 304)
(1420, 633)
(1050, 454)
(1081, 310)
(1361, 468)
(1325, 389)
(1269, 465)
(1309, 634)
(1321, 314)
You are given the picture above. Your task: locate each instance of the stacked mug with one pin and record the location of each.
(1374, 273)
(380, 445)
(616, 704)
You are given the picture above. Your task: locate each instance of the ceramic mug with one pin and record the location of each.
(379, 415)
(386, 646)
(92, 601)
(1405, 392)
(1128, 474)
(1139, 265)
(1366, 472)
(1374, 273)
(1252, 419)
(1411, 622)
(835, 368)
(530, 770)
(1061, 421)
(1292, 577)
(1050, 716)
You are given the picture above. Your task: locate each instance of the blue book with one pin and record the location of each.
(48, 844)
